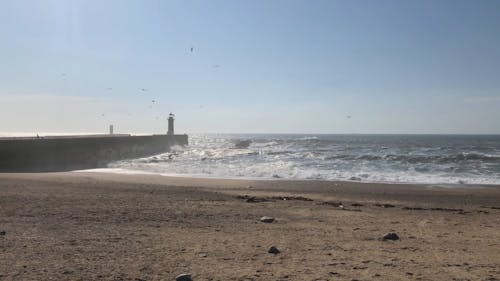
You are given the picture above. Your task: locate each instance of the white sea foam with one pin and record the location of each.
(390, 159)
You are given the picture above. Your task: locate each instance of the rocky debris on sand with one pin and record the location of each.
(2, 233)
(184, 277)
(390, 236)
(458, 211)
(267, 219)
(251, 199)
(202, 254)
(334, 204)
(285, 198)
(384, 205)
(273, 250)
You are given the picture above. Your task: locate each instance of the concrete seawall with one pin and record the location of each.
(79, 152)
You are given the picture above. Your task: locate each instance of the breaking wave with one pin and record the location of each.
(396, 159)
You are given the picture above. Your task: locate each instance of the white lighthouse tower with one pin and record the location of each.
(170, 131)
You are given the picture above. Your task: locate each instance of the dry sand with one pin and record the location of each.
(88, 226)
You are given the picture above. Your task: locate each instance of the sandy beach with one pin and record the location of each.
(96, 226)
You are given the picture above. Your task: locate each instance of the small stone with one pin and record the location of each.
(274, 250)
(267, 219)
(390, 236)
(203, 255)
(2, 233)
(184, 277)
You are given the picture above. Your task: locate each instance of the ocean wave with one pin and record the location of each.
(307, 138)
(289, 171)
(360, 158)
(415, 159)
(279, 152)
(443, 159)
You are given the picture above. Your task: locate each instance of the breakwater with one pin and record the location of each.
(66, 153)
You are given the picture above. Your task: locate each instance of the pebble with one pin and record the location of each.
(390, 236)
(273, 250)
(184, 277)
(267, 219)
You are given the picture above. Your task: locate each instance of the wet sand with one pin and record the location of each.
(89, 226)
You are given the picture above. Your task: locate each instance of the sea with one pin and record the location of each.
(449, 160)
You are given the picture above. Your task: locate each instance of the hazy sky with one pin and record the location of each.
(256, 66)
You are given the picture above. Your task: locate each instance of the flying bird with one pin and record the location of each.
(192, 49)
(144, 90)
(348, 116)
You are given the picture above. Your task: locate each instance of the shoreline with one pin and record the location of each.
(121, 171)
(97, 226)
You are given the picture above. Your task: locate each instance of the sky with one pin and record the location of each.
(260, 66)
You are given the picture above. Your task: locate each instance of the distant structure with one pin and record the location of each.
(170, 131)
(77, 152)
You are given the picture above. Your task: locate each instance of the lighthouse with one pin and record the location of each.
(170, 131)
